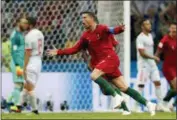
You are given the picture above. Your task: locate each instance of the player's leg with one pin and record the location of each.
(155, 77)
(141, 78)
(96, 75)
(137, 108)
(14, 96)
(170, 94)
(173, 83)
(32, 77)
(123, 104)
(120, 83)
(170, 75)
(18, 86)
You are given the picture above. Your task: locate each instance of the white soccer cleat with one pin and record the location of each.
(163, 108)
(137, 108)
(151, 108)
(118, 100)
(139, 111)
(126, 112)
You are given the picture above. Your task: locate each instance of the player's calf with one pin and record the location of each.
(173, 84)
(120, 83)
(104, 84)
(33, 102)
(16, 92)
(158, 91)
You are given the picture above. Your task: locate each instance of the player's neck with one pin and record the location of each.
(93, 27)
(18, 29)
(172, 36)
(146, 33)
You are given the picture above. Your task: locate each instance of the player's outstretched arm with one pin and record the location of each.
(116, 30)
(68, 51)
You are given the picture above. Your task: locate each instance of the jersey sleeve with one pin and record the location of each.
(115, 43)
(140, 43)
(113, 30)
(162, 43)
(76, 48)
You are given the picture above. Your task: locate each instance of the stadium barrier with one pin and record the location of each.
(78, 90)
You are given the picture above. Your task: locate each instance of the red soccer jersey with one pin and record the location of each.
(99, 44)
(168, 46)
(114, 41)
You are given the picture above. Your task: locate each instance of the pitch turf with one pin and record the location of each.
(91, 115)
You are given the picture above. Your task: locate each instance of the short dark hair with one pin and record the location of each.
(173, 23)
(91, 14)
(20, 18)
(32, 20)
(143, 20)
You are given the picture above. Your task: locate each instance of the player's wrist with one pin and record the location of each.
(153, 57)
(59, 52)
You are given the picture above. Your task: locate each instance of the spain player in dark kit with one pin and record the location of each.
(104, 59)
(167, 46)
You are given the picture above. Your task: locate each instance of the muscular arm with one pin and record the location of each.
(68, 51)
(158, 52)
(144, 54)
(116, 30)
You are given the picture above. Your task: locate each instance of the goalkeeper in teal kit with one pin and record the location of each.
(17, 61)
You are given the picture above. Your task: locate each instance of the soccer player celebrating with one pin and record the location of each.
(17, 61)
(147, 68)
(167, 46)
(34, 45)
(104, 59)
(86, 58)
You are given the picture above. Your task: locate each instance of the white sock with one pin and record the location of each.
(158, 93)
(33, 100)
(23, 95)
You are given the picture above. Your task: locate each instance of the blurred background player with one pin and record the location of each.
(17, 61)
(34, 45)
(6, 54)
(147, 68)
(104, 60)
(167, 46)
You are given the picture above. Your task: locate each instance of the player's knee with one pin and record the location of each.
(28, 86)
(157, 83)
(93, 76)
(123, 88)
(31, 93)
(140, 86)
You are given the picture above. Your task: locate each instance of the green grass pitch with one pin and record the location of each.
(89, 115)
